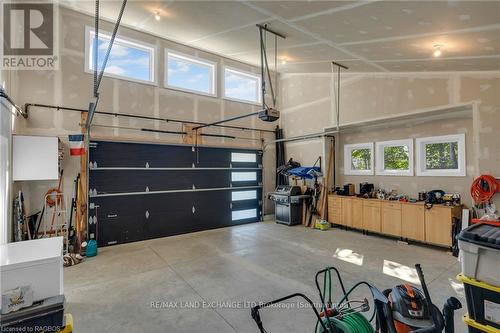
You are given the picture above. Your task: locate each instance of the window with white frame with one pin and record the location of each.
(242, 86)
(441, 155)
(394, 157)
(358, 159)
(189, 73)
(129, 59)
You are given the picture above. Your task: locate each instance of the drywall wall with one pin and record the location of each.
(71, 86)
(308, 106)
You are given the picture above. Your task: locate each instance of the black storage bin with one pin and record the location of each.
(482, 300)
(46, 316)
(475, 327)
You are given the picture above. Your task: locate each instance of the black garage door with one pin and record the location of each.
(140, 191)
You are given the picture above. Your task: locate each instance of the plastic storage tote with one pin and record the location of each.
(479, 247)
(483, 302)
(475, 327)
(37, 263)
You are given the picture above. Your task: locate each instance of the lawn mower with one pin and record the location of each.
(402, 309)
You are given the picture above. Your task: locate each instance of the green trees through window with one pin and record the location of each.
(441, 155)
(396, 158)
(361, 159)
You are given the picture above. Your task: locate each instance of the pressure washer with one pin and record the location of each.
(402, 309)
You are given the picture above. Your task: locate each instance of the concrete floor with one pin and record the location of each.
(178, 284)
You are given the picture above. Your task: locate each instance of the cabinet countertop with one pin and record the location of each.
(418, 203)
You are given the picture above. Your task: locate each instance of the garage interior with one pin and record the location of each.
(226, 154)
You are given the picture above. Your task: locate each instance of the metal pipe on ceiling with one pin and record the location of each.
(168, 120)
(302, 137)
(24, 113)
(174, 132)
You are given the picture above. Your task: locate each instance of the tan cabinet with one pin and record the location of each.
(407, 220)
(391, 218)
(357, 213)
(347, 211)
(412, 221)
(438, 224)
(335, 209)
(372, 216)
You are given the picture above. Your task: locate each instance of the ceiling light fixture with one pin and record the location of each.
(157, 15)
(437, 50)
(283, 62)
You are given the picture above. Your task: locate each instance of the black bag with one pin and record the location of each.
(433, 197)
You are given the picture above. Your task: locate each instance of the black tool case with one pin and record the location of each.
(45, 316)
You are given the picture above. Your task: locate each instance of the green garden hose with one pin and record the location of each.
(350, 323)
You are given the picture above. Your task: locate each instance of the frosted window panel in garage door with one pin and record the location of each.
(243, 157)
(244, 214)
(244, 195)
(243, 176)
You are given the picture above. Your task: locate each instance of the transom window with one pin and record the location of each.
(358, 159)
(441, 156)
(242, 86)
(394, 157)
(129, 59)
(190, 74)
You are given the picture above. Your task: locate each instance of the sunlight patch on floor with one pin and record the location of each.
(400, 271)
(349, 256)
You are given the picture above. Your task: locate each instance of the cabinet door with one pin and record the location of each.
(357, 213)
(371, 218)
(334, 209)
(412, 222)
(347, 212)
(391, 221)
(438, 225)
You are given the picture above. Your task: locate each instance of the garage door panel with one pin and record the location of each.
(212, 209)
(118, 181)
(131, 201)
(120, 154)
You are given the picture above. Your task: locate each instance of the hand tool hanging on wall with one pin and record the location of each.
(71, 228)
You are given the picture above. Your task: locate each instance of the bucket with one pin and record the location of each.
(91, 250)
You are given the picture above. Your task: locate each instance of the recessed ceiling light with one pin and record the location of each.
(157, 15)
(283, 62)
(437, 50)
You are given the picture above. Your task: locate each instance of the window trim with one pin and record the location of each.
(347, 159)
(422, 171)
(193, 59)
(379, 158)
(244, 73)
(133, 43)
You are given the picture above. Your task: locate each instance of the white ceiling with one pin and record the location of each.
(368, 36)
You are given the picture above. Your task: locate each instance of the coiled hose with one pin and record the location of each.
(348, 322)
(483, 188)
